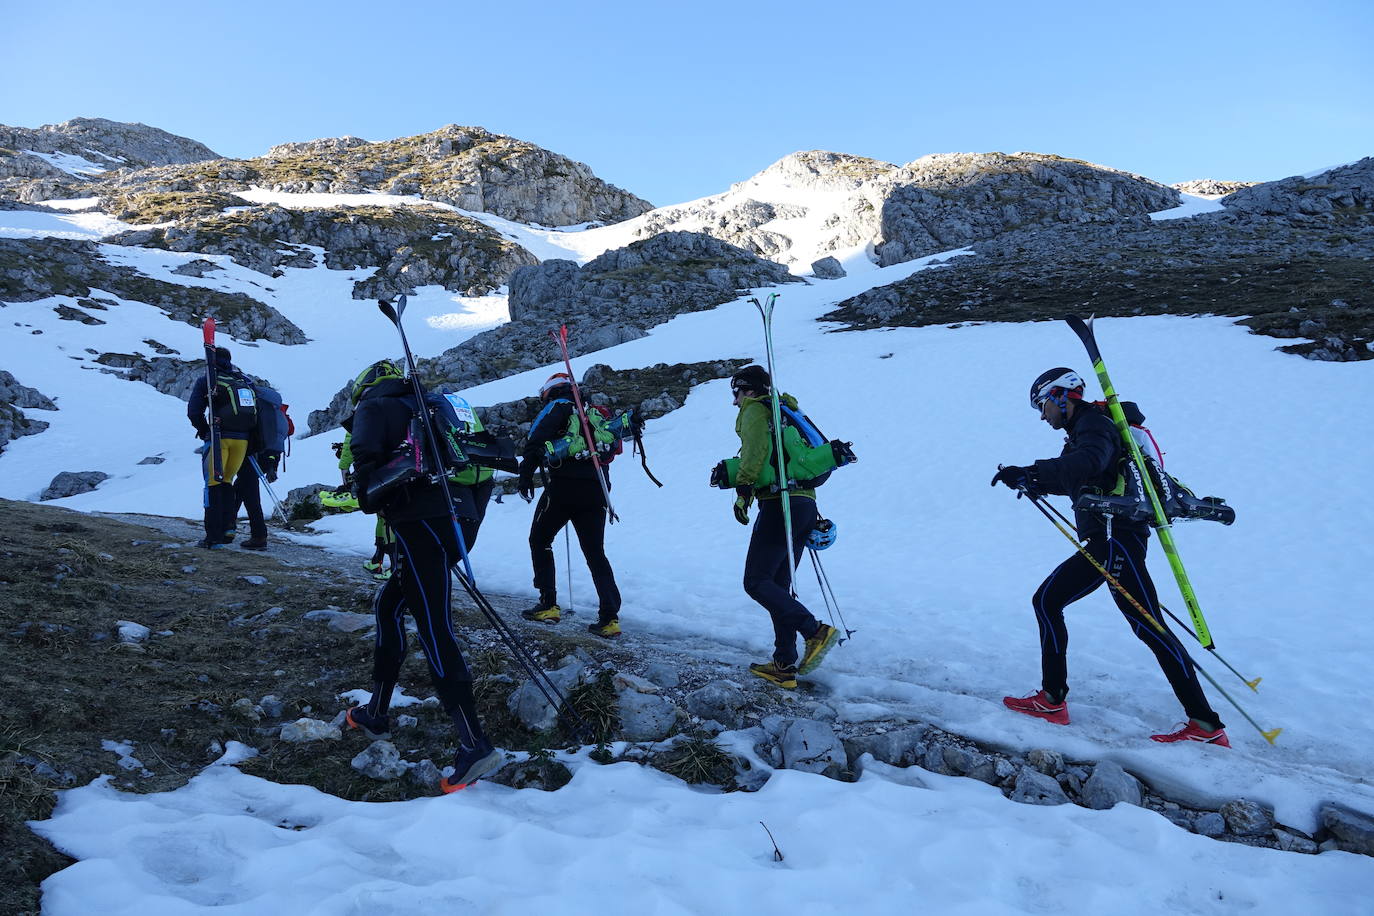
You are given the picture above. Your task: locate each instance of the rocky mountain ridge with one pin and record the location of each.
(85, 147)
(933, 204)
(466, 167)
(1293, 259)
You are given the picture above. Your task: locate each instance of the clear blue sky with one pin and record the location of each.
(674, 101)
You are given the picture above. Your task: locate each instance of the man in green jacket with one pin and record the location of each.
(767, 576)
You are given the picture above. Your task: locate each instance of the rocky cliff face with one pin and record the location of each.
(412, 246)
(610, 300)
(1343, 196)
(1292, 259)
(85, 147)
(467, 167)
(763, 214)
(14, 398)
(934, 204)
(952, 200)
(1210, 187)
(32, 269)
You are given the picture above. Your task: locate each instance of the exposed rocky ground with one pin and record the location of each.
(610, 300)
(130, 653)
(105, 144)
(951, 200)
(933, 204)
(1293, 259)
(33, 269)
(739, 216)
(467, 167)
(1211, 187)
(14, 398)
(412, 246)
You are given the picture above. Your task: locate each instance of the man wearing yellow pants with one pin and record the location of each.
(234, 404)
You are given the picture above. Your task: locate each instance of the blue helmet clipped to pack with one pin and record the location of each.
(823, 535)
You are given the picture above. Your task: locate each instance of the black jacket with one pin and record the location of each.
(1088, 462)
(552, 424)
(380, 424)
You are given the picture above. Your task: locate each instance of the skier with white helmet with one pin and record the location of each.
(1088, 463)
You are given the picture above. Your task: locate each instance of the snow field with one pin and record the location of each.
(627, 839)
(934, 570)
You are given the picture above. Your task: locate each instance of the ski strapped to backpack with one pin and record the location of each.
(1128, 499)
(1084, 331)
(561, 337)
(217, 460)
(811, 457)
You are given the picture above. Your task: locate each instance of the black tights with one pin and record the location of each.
(423, 587)
(1123, 555)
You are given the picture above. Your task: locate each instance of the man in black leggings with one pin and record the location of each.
(426, 548)
(572, 494)
(1089, 461)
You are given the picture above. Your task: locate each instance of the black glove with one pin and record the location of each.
(526, 488)
(1017, 478)
(744, 498)
(203, 433)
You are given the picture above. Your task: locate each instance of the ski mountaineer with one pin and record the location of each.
(426, 548)
(573, 494)
(767, 578)
(1089, 462)
(234, 404)
(261, 457)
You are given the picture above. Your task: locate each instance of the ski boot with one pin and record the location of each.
(469, 765)
(816, 647)
(784, 676)
(608, 629)
(377, 569)
(543, 612)
(375, 727)
(1040, 706)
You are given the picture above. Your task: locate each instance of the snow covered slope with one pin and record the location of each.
(934, 570)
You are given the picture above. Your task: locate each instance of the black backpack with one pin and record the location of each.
(234, 402)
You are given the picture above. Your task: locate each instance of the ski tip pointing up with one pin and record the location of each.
(1084, 329)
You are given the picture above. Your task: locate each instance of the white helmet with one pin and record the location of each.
(1060, 384)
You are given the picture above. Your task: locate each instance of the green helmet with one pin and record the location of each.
(379, 371)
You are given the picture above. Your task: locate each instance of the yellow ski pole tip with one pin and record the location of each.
(1271, 734)
(1254, 685)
